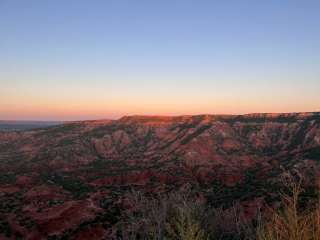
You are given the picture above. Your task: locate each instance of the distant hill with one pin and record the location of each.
(25, 125)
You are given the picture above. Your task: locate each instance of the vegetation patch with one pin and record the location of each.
(76, 187)
(313, 153)
(7, 178)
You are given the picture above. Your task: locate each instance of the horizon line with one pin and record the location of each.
(157, 115)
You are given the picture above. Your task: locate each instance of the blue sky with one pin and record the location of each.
(104, 59)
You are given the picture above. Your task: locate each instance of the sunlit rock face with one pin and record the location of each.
(56, 181)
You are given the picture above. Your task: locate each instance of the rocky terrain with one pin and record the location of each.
(70, 181)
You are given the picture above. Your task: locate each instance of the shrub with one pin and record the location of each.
(184, 225)
(186, 215)
(169, 216)
(291, 221)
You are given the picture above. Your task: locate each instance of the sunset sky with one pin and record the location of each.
(89, 59)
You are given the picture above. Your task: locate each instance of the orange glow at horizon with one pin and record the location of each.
(82, 101)
(82, 110)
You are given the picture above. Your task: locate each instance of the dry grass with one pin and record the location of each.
(184, 223)
(182, 216)
(291, 221)
(173, 216)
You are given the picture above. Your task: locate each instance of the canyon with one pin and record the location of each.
(71, 180)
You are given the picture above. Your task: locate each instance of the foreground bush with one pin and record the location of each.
(183, 215)
(171, 216)
(180, 215)
(292, 221)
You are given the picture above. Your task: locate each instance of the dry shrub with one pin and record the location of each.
(168, 216)
(291, 221)
(230, 224)
(185, 219)
(180, 215)
(146, 220)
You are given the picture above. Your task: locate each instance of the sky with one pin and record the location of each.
(93, 59)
